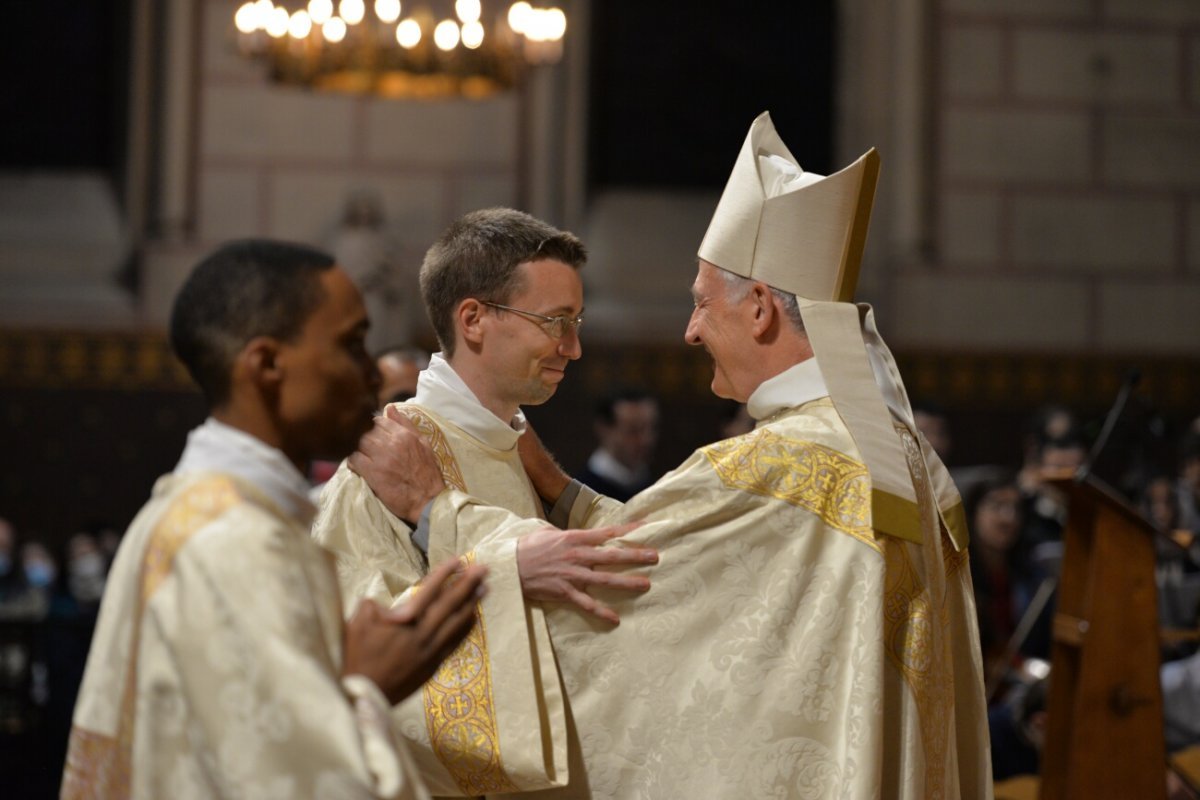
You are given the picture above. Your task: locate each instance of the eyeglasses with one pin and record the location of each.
(555, 327)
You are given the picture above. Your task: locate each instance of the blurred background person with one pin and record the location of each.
(1018, 730)
(86, 572)
(18, 600)
(1187, 487)
(1004, 575)
(1046, 505)
(1050, 422)
(1159, 503)
(626, 424)
(399, 368)
(735, 419)
(933, 421)
(11, 584)
(41, 571)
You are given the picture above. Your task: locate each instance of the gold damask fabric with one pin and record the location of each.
(214, 670)
(783, 650)
(472, 730)
(818, 479)
(460, 714)
(98, 765)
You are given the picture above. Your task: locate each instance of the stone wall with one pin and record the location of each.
(1066, 192)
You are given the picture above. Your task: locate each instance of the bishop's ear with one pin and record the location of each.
(762, 305)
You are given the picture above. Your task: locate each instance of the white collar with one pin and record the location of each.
(795, 386)
(440, 389)
(217, 447)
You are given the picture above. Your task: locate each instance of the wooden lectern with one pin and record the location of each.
(1104, 732)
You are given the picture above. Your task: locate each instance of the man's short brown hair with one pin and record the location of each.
(478, 256)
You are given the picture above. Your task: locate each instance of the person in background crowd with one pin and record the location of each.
(17, 600)
(1046, 505)
(1159, 503)
(1018, 730)
(626, 423)
(1187, 487)
(933, 422)
(1004, 578)
(735, 419)
(40, 568)
(9, 575)
(86, 570)
(1050, 422)
(108, 539)
(399, 368)
(1177, 571)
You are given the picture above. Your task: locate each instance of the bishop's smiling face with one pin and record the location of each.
(718, 324)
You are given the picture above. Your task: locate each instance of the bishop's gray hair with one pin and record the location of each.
(739, 287)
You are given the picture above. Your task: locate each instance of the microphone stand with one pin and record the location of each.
(1132, 378)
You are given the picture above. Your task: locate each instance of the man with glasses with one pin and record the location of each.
(504, 295)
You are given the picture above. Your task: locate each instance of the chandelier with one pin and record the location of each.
(419, 49)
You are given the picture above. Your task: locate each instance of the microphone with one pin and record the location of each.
(1132, 378)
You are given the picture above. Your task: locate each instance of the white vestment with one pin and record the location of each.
(457, 723)
(786, 649)
(214, 670)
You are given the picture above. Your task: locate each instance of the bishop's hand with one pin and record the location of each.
(398, 465)
(560, 566)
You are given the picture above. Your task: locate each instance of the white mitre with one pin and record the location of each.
(804, 234)
(794, 230)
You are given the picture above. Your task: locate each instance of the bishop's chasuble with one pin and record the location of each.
(786, 649)
(214, 667)
(456, 725)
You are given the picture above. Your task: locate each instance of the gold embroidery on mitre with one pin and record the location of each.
(99, 765)
(430, 431)
(461, 716)
(819, 479)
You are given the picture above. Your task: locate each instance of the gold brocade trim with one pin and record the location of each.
(956, 524)
(819, 479)
(199, 505)
(430, 431)
(954, 559)
(915, 629)
(96, 767)
(895, 516)
(461, 716)
(460, 712)
(921, 654)
(100, 766)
